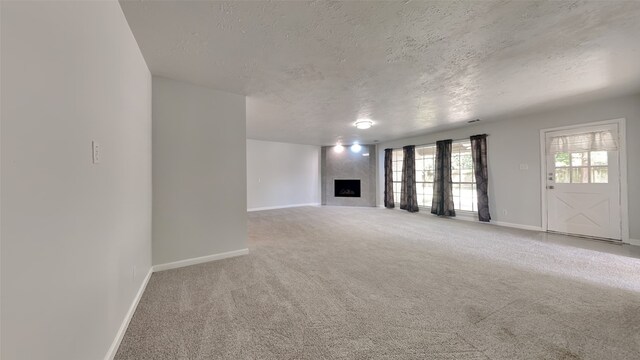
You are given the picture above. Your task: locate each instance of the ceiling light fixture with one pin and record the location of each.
(338, 148)
(363, 124)
(356, 148)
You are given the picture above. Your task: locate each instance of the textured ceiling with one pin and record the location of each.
(310, 69)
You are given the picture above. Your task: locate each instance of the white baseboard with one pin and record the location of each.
(113, 349)
(199, 260)
(281, 207)
(517, 226)
(634, 242)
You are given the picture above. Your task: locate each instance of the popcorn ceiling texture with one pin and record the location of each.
(341, 283)
(310, 69)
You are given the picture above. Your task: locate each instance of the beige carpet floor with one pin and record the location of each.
(367, 283)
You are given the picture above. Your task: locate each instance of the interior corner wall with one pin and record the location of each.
(515, 193)
(75, 237)
(199, 171)
(282, 174)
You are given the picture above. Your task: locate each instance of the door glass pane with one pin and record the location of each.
(562, 159)
(600, 174)
(580, 175)
(599, 158)
(580, 159)
(562, 176)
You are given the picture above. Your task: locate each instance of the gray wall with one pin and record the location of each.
(349, 165)
(282, 174)
(515, 141)
(76, 237)
(199, 171)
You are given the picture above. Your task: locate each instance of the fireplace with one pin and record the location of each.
(347, 188)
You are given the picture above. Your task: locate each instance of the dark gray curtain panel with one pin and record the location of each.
(442, 203)
(409, 197)
(479, 155)
(388, 179)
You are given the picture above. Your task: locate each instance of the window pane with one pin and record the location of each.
(422, 189)
(600, 174)
(419, 165)
(467, 175)
(455, 161)
(599, 158)
(580, 159)
(428, 194)
(475, 198)
(425, 151)
(428, 189)
(579, 175)
(455, 175)
(429, 176)
(466, 197)
(562, 159)
(456, 195)
(465, 161)
(429, 163)
(562, 176)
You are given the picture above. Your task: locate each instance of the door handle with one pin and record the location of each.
(550, 187)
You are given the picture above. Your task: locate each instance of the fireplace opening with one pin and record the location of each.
(347, 188)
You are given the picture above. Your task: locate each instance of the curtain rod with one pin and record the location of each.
(453, 140)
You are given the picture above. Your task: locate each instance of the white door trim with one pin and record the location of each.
(622, 135)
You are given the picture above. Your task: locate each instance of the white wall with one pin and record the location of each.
(282, 174)
(515, 141)
(199, 171)
(72, 232)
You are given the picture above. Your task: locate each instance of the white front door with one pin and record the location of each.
(583, 181)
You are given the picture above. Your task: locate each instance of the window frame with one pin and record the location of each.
(397, 164)
(397, 159)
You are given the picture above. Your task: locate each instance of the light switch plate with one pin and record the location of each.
(96, 152)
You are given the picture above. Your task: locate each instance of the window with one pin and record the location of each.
(462, 177)
(581, 167)
(396, 158)
(425, 171)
